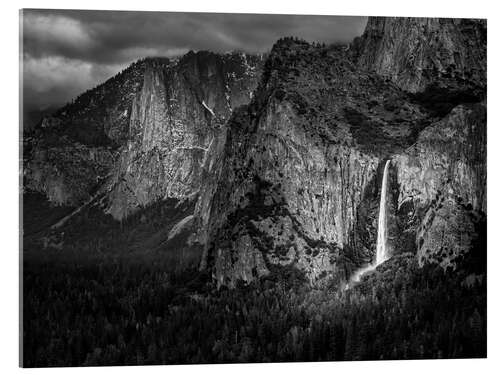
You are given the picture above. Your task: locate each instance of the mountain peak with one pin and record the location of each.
(155, 107)
(417, 52)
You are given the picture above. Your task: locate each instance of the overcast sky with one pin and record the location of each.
(66, 52)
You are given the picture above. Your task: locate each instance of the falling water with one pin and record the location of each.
(382, 222)
(381, 255)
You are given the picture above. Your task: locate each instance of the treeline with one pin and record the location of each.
(111, 312)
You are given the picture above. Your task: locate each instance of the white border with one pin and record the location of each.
(9, 171)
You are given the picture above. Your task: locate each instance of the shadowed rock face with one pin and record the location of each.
(418, 52)
(440, 192)
(68, 155)
(69, 172)
(448, 158)
(442, 179)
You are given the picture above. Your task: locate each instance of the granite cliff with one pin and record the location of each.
(69, 154)
(278, 164)
(324, 203)
(140, 136)
(442, 185)
(303, 159)
(425, 53)
(173, 121)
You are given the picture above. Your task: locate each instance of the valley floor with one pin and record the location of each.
(116, 311)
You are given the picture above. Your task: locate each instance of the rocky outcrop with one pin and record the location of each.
(173, 122)
(298, 175)
(143, 135)
(422, 53)
(442, 184)
(447, 233)
(68, 173)
(298, 180)
(448, 158)
(71, 153)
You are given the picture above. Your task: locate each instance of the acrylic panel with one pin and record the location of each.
(230, 188)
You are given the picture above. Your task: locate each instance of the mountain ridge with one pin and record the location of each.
(283, 156)
(110, 127)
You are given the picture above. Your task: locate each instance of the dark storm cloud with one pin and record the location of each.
(67, 51)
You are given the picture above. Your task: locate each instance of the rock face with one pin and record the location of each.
(71, 153)
(173, 121)
(285, 159)
(299, 175)
(442, 183)
(143, 135)
(448, 158)
(416, 53)
(68, 172)
(297, 182)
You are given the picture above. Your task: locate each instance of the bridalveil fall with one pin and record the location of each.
(381, 255)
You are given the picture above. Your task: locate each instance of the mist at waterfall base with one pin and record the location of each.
(381, 255)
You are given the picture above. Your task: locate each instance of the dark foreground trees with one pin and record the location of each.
(117, 312)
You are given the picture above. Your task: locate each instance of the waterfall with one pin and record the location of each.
(382, 221)
(381, 255)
